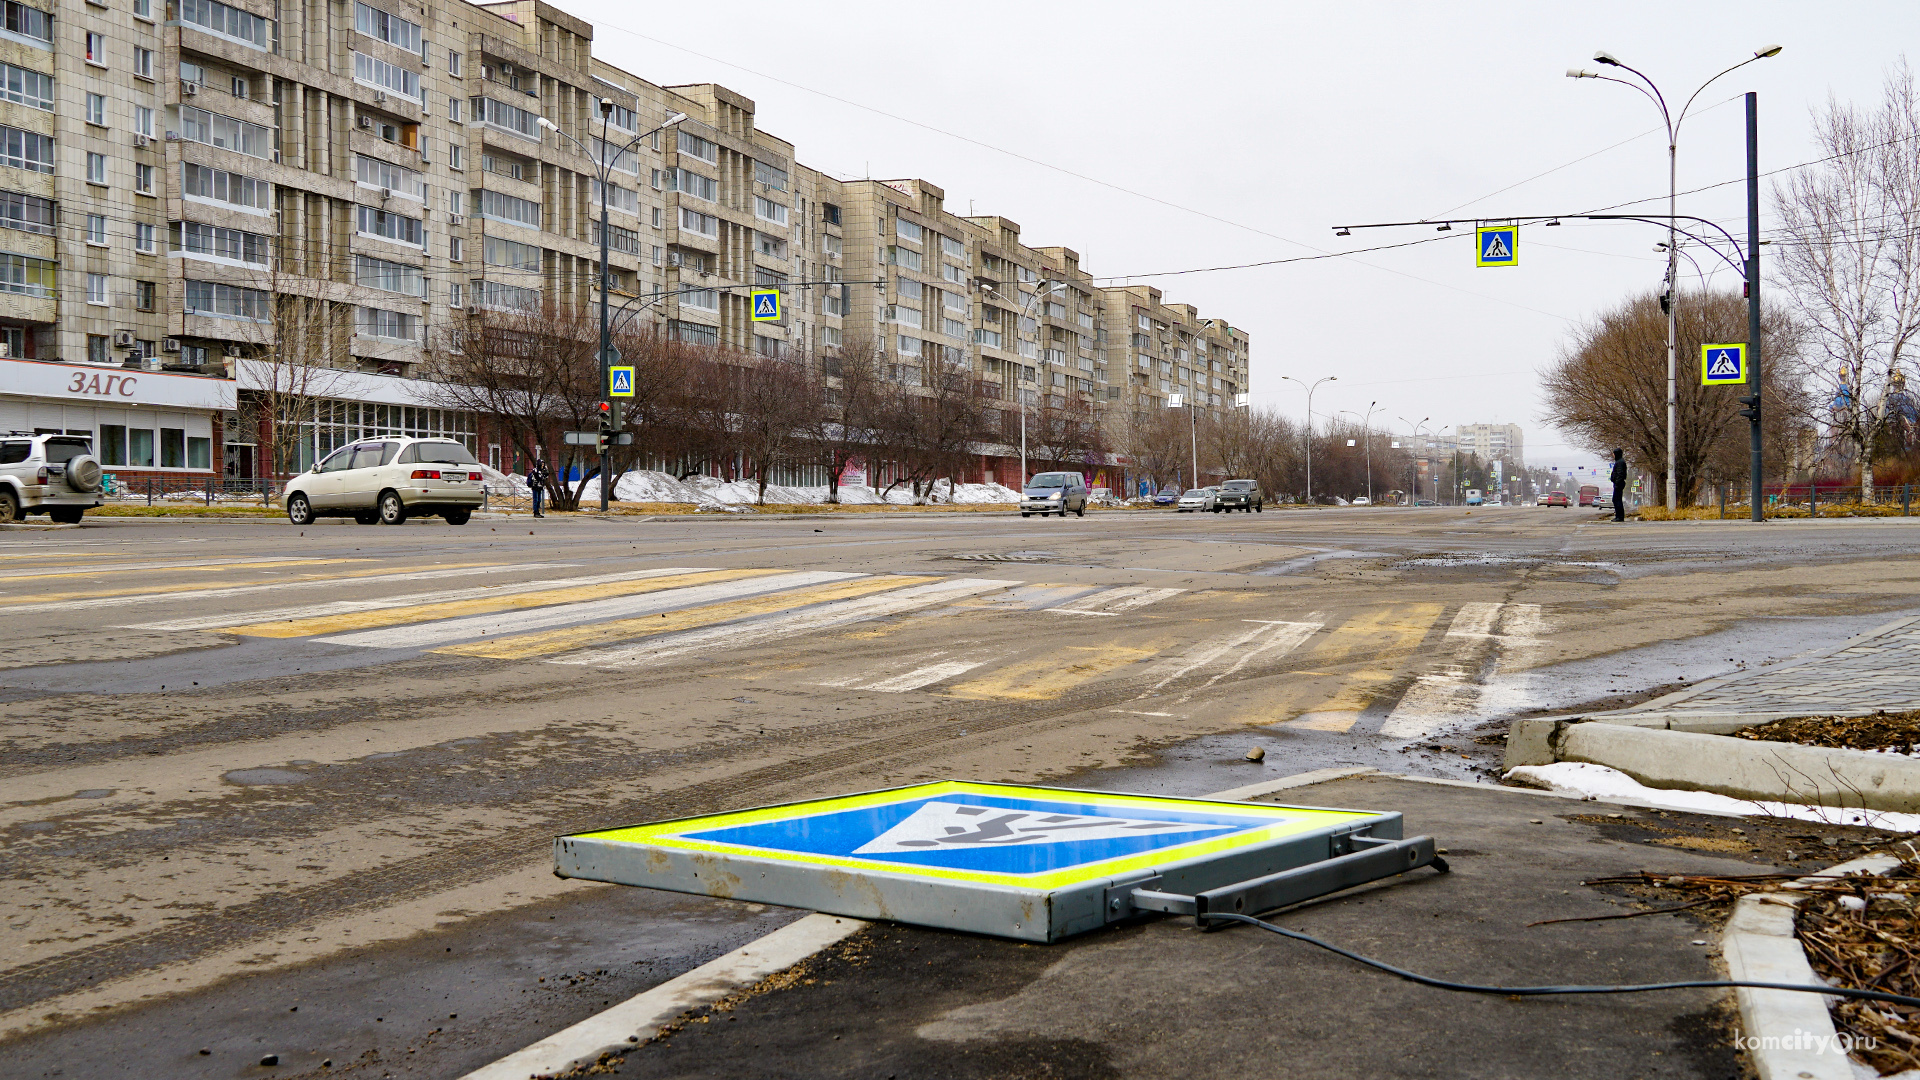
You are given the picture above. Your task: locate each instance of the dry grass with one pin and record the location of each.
(1740, 511)
(183, 510)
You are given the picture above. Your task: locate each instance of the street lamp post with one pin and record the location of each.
(1044, 287)
(1415, 432)
(606, 161)
(1310, 390)
(1366, 434)
(1669, 301)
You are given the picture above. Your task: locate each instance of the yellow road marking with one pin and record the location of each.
(195, 586)
(107, 568)
(367, 620)
(1052, 675)
(1380, 639)
(566, 639)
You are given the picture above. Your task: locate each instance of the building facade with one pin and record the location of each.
(1493, 442)
(201, 190)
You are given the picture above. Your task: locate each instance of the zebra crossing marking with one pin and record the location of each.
(1114, 601)
(1053, 674)
(925, 675)
(1381, 639)
(548, 643)
(1451, 691)
(175, 593)
(97, 569)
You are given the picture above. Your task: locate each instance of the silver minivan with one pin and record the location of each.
(1055, 493)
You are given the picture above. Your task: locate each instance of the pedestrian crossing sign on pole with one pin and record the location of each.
(620, 382)
(1499, 245)
(1723, 365)
(1031, 863)
(766, 305)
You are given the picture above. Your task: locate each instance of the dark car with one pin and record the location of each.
(1240, 495)
(1558, 498)
(1167, 497)
(1055, 493)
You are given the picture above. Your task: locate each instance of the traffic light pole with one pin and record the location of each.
(1757, 466)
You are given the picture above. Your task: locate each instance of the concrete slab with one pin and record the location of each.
(1161, 998)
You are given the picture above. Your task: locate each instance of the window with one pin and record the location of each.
(96, 288)
(771, 246)
(143, 9)
(454, 105)
(113, 444)
(381, 323)
(199, 453)
(694, 146)
(97, 349)
(951, 247)
(31, 88)
(767, 210)
(215, 185)
(907, 230)
(623, 198)
(987, 337)
(905, 316)
(229, 22)
(143, 237)
(97, 109)
(771, 175)
(400, 180)
(830, 245)
(453, 294)
(226, 301)
(32, 24)
(377, 222)
(954, 301)
(658, 220)
(619, 239)
(456, 249)
(140, 447)
(692, 333)
(704, 224)
(373, 71)
(392, 29)
(26, 213)
(143, 179)
(955, 328)
(1145, 323)
(908, 289)
(899, 256)
(493, 294)
(97, 229)
(454, 64)
(498, 252)
(456, 202)
(615, 155)
(173, 448)
(502, 207)
(96, 49)
(830, 335)
(212, 241)
(457, 156)
(909, 346)
(217, 130)
(504, 166)
(506, 117)
(619, 115)
(704, 299)
(692, 183)
(96, 168)
(143, 121)
(143, 295)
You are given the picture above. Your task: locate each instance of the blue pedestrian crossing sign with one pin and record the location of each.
(766, 305)
(1723, 365)
(620, 382)
(1014, 861)
(1499, 245)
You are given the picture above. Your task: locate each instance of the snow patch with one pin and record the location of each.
(1601, 783)
(646, 486)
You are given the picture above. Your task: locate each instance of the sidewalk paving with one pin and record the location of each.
(1161, 998)
(1879, 669)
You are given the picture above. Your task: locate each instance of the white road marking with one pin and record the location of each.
(1285, 636)
(501, 623)
(912, 680)
(282, 586)
(1024, 597)
(348, 607)
(1453, 691)
(104, 568)
(753, 631)
(1114, 601)
(1474, 620)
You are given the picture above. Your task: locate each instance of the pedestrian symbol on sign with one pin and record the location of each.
(1499, 246)
(766, 305)
(1723, 365)
(620, 382)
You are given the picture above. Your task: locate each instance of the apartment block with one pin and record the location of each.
(1493, 442)
(197, 196)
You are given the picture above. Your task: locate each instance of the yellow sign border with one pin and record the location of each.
(1290, 820)
(1480, 245)
(1741, 381)
(777, 312)
(611, 392)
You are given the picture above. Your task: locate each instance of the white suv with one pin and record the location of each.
(56, 475)
(386, 481)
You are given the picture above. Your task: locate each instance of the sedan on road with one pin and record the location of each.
(1196, 500)
(1558, 498)
(386, 481)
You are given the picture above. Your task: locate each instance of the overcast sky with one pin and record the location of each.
(1155, 138)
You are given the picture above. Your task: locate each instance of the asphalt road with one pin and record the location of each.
(249, 768)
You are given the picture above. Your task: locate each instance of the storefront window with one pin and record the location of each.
(140, 448)
(199, 453)
(173, 448)
(113, 444)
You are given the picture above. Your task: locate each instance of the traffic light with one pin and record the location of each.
(606, 418)
(1752, 410)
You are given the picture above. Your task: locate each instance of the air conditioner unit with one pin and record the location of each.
(366, 122)
(486, 72)
(123, 339)
(673, 258)
(386, 193)
(380, 97)
(170, 345)
(506, 69)
(473, 309)
(189, 89)
(456, 219)
(233, 352)
(142, 140)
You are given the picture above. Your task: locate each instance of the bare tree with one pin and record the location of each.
(852, 399)
(1849, 258)
(779, 405)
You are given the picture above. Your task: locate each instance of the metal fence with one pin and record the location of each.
(1811, 496)
(186, 490)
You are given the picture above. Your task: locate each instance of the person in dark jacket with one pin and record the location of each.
(1619, 484)
(537, 477)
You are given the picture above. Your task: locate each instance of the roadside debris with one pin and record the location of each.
(1898, 732)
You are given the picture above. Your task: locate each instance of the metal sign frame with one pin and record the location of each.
(809, 855)
(1707, 378)
(613, 382)
(755, 302)
(1512, 236)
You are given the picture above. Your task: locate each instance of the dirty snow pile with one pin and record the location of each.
(1601, 783)
(646, 486)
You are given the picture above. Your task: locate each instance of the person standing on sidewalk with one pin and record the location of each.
(1619, 484)
(537, 477)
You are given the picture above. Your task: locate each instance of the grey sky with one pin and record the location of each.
(1285, 120)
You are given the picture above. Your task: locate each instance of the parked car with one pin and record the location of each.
(1240, 495)
(1589, 495)
(387, 481)
(1196, 500)
(1167, 497)
(1055, 493)
(1362, 501)
(1544, 499)
(55, 475)
(1425, 502)
(1558, 498)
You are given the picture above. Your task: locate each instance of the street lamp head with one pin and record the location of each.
(674, 119)
(1605, 57)
(1770, 50)
(1343, 232)
(1582, 73)
(546, 123)
(1445, 226)
(606, 108)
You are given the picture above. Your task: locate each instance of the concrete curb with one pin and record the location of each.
(1759, 945)
(636, 1019)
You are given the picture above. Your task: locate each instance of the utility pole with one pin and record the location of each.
(1757, 465)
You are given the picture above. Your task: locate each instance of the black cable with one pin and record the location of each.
(1537, 991)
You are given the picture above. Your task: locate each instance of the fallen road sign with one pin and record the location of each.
(1032, 863)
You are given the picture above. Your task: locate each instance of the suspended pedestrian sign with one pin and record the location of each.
(1022, 862)
(620, 382)
(766, 305)
(1499, 245)
(1723, 365)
